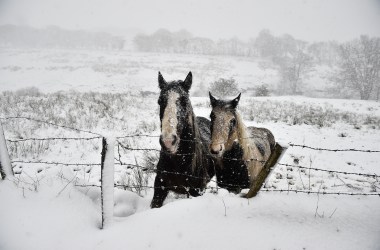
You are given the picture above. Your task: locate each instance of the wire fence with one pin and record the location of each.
(263, 190)
(128, 148)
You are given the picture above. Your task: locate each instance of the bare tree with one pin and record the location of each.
(359, 67)
(294, 67)
(267, 44)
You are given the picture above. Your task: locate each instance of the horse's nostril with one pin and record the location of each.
(168, 142)
(174, 140)
(216, 149)
(213, 151)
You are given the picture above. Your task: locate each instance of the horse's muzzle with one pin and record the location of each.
(169, 143)
(217, 149)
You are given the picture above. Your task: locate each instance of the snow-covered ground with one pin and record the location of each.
(45, 206)
(119, 71)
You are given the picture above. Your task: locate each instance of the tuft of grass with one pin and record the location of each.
(297, 114)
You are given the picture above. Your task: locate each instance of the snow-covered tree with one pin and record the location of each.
(359, 67)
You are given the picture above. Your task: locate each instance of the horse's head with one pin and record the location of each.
(175, 111)
(224, 122)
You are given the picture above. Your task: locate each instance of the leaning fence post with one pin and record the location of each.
(107, 180)
(276, 155)
(5, 162)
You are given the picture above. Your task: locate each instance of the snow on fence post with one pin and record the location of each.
(107, 180)
(5, 162)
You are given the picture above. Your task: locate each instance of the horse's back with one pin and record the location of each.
(204, 125)
(262, 136)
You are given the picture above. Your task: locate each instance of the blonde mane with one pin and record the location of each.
(251, 154)
(245, 140)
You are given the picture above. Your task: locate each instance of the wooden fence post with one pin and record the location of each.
(276, 155)
(107, 181)
(5, 162)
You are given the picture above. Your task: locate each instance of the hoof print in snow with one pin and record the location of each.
(279, 176)
(342, 134)
(289, 177)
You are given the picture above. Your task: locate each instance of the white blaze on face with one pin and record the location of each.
(169, 120)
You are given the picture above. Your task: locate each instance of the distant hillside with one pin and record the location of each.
(55, 37)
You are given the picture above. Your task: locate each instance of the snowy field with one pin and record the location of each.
(52, 206)
(120, 71)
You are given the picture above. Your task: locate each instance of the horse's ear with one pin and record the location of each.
(161, 81)
(212, 99)
(188, 81)
(235, 101)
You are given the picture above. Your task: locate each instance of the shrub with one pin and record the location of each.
(262, 90)
(29, 91)
(224, 87)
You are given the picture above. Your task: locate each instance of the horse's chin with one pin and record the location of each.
(218, 155)
(172, 150)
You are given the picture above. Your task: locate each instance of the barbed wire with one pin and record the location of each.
(49, 123)
(212, 180)
(281, 164)
(329, 171)
(334, 150)
(261, 190)
(152, 136)
(317, 192)
(131, 166)
(127, 148)
(290, 144)
(57, 163)
(137, 135)
(138, 149)
(54, 139)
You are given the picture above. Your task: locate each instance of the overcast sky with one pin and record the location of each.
(309, 20)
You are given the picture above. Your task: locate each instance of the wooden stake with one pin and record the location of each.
(107, 181)
(5, 162)
(268, 167)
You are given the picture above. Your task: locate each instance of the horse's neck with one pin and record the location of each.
(191, 145)
(189, 135)
(244, 138)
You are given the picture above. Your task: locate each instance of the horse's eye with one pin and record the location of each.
(183, 102)
(233, 122)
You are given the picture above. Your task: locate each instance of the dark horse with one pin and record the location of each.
(241, 151)
(185, 165)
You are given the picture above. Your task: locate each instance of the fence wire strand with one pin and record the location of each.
(54, 139)
(334, 150)
(261, 190)
(48, 123)
(131, 166)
